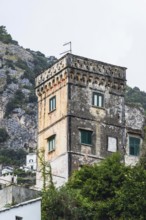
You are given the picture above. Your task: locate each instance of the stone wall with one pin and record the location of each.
(11, 195)
(74, 80)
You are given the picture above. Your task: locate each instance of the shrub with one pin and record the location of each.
(28, 73)
(16, 102)
(10, 64)
(32, 97)
(3, 135)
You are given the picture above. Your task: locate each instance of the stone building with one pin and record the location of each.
(82, 115)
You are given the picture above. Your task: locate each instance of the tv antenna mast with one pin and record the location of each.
(70, 48)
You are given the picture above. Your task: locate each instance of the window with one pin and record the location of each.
(18, 218)
(98, 99)
(112, 144)
(134, 146)
(52, 104)
(51, 143)
(86, 137)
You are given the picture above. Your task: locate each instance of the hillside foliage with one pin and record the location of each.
(3, 135)
(10, 157)
(5, 37)
(135, 95)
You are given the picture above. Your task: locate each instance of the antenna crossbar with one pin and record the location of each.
(70, 50)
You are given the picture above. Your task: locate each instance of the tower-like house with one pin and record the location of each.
(81, 113)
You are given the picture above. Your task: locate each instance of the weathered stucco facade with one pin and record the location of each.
(81, 114)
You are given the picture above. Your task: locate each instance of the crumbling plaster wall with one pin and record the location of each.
(102, 121)
(135, 121)
(134, 116)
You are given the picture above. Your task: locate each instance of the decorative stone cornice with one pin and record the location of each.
(81, 70)
(96, 67)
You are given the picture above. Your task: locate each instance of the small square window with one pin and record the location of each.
(97, 99)
(52, 104)
(112, 144)
(86, 137)
(134, 146)
(51, 143)
(18, 218)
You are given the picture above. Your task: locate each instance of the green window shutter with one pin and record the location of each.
(89, 140)
(134, 145)
(137, 144)
(86, 137)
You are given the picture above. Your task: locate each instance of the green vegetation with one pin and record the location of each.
(10, 64)
(105, 191)
(136, 96)
(16, 102)
(24, 178)
(28, 72)
(41, 62)
(5, 37)
(32, 97)
(3, 135)
(10, 157)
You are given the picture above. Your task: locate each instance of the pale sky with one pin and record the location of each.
(112, 31)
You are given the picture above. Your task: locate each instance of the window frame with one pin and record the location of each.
(98, 103)
(52, 104)
(88, 140)
(51, 141)
(135, 149)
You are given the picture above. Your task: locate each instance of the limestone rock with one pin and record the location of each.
(18, 105)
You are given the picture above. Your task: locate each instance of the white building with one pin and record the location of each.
(31, 161)
(7, 170)
(8, 179)
(30, 210)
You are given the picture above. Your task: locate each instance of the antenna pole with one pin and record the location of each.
(70, 50)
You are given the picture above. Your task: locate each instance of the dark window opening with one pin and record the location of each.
(86, 137)
(134, 146)
(18, 218)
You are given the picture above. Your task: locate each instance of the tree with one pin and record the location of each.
(5, 37)
(98, 184)
(131, 197)
(105, 191)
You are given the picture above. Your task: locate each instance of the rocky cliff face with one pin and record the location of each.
(18, 104)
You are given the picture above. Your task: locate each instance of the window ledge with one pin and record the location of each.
(49, 152)
(89, 145)
(94, 106)
(52, 111)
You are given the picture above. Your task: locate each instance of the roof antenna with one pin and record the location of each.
(70, 50)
